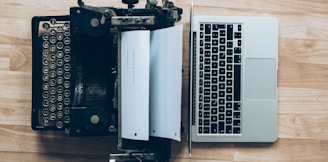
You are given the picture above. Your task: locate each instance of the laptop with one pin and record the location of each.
(233, 79)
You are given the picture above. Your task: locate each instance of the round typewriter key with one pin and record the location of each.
(46, 26)
(60, 89)
(67, 49)
(67, 75)
(52, 108)
(45, 44)
(52, 73)
(66, 119)
(45, 94)
(67, 33)
(45, 69)
(59, 124)
(60, 36)
(52, 82)
(60, 97)
(45, 36)
(67, 40)
(52, 90)
(67, 67)
(60, 45)
(60, 114)
(52, 32)
(45, 61)
(52, 65)
(66, 110)
(52, 48)
(60, 62)
(60, 54)
(53, 39)
(45, 103)
(45, 77)
(60, 80)
(45, 112)
(66, 25)
(45, 121)
(67, 84)
(45, 86)
(60, 71)
(45, 53)
(60, 106)
(67, 101)
(67, 93)
(52, 99)
(60, 29)
(67, 58)
(52, 21)
(52, 116)
(52, 57)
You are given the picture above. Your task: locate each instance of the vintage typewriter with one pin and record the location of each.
(75, 72)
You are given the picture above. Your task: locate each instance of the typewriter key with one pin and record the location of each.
(67, 67)
(67, 101)
(60, 62)
(60, 45)
(52, 48)
(60, 115)
(60, 29)
(60, 89)
(45, 37)
(45, 61)
(53, 39)
(60, 97)
(59, 124)
(52, 108)
(66, 110)
(45, 103)
(67, 33)
(52, 82)
(66, 25)
(52, 65)
(60, 106)
(45, 112)
(45, 69)
(45, 94)
(67, 75)
(45, 44)
(52, 57)
(67, 84)
(52, 21)
(60, 71)
(60, 36)
(67, 49)
(66, 119)
(45, 53)
(46, 26)
(45, 121)
(45, 77)
(67, 40)
(67, 58)
(52, 90)
(53, 32)
(45, 86)
(52, 99)
(67, 93)
(52, 73)
(60, 54)
(52, 116)
(60, 80)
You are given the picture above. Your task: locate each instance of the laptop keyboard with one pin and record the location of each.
(220, 49)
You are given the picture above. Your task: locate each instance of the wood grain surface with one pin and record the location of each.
(302, 83)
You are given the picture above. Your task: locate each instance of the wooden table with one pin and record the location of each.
(303, 85)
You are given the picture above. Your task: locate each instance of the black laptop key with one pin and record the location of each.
(236, 130)
(214, 103)
(218, 26)
(214, 118)
(214, 111)
(228, 120)
(207, 91)
(207, 45)
(229, 32)
(229, 52)
(222, 48)
(207, 68)
(239, 42)
(215, 42)
(222, 33)
(201, 26)
(215, 57)
(207, 54)
(206, 122)
(229, 44)
(201, 42)
(215, 49)
(236, 114)
(236, 106)
(201, 50)
(207, 38)
(206, 130)
(222, 40)
(215, 34)
(237, 69)
(214, 80)
(214, 128)
(200, 122)
(221, 116)
(239, 27)
(207, 77)
(221, 127)
(207, 115)
(221, 93)
(201, 35)
(214, 65)
(207, 106)
(229, 113)
(229, 129)
(236, 122)
(207, 99)
(221, 108)
(237, 58)
(200, 130)
(237, 50)
(207, 28)
(237, 34)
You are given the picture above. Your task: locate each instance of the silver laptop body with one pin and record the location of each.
(233, 85)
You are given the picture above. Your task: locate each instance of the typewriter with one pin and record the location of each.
(75, 72)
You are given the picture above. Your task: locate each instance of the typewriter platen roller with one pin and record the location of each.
(74, 71)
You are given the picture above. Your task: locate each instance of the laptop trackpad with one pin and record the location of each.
(260, 78)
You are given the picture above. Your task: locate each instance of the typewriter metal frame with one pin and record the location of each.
(93, 28)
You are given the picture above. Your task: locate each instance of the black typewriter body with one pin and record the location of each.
(75, 72)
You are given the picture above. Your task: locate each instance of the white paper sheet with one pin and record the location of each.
(166, 82)
(135, 84)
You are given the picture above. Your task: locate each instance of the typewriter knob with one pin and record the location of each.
(130, 3)
(94, 119)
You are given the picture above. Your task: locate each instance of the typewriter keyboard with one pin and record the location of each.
(56, 75)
